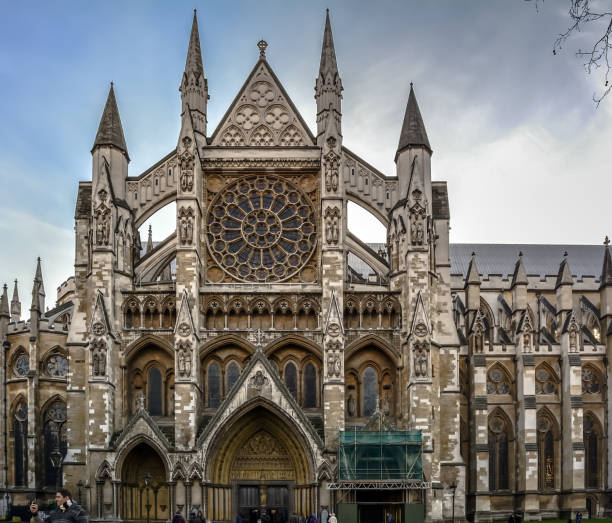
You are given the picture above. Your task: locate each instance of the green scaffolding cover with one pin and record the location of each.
(380, 455)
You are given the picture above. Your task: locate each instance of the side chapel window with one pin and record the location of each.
(214, 386)
(54, 438)
(310, 386)
(20, 434)
(291, 378)
(546, 454)
(591, 448)
(498, 454)
(370, 385)
(155, 392)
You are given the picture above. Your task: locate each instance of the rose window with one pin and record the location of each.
(22, 366)
(57, 365)
(261, 228)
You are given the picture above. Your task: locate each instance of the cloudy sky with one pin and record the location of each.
(514, 129)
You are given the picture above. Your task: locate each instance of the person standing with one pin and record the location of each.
(67, 511)
(579, 517)
(332, 518)
(178, 517)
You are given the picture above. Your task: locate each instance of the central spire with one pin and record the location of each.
(194, 86)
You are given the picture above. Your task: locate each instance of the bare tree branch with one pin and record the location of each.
(590, 14)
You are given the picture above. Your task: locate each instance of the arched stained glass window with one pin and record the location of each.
(291, 378)
(370, 385)
(155, 392)
(233, 373)
(310, 386)
(591, 448)
(214, 386)
(55, 438)
(546, 454)
(20, 433)
(498, 454)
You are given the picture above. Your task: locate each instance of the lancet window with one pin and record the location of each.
(498, 454)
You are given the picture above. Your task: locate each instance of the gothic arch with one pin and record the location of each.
(228, 339)
(105, 471)
(294, 339)
(136, 440)
(144, 213)
(371, 339)
(221, 444)
(149, 339)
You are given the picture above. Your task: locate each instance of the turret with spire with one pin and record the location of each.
(194, 86)
(110, 156)
(328, 87)
(15, 305)
(413, 156)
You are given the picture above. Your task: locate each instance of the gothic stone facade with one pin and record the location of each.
(239, 347)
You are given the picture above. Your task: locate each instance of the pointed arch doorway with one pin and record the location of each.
(259, 463)
(141, 462)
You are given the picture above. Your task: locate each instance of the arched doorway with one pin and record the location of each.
(259, 463)
(141, 462)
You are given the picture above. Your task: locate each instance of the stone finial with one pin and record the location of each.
(15, 305)
(4, 305)
(150, 240)
(606, 241)
(263, 45)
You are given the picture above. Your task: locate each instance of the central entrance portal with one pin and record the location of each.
(260, 465)
(274, 498)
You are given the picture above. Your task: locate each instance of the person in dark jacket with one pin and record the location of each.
(178, 517)
(195, 517)
(67, 511)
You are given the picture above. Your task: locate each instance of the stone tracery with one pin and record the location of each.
(261, 229)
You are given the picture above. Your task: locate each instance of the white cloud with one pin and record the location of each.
(24, 238)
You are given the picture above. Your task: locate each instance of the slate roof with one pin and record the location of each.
(539, 260)
(83, 203)
(500, 259)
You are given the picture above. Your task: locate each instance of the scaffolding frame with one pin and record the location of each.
(379, 485)
(380, 457)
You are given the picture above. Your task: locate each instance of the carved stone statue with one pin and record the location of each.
(187, 181)
(98, 358)
(186, 225)
(139, 401)
(184, 359)
(421, 359)
(350, 405)
(331, 172)
(332, 225)
(478, 342)
(573, 340)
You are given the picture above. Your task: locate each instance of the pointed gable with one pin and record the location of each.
(184, 321)
(259, 380)
(262, 115)
(100, 324)
(333, 318)
(420, 320)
